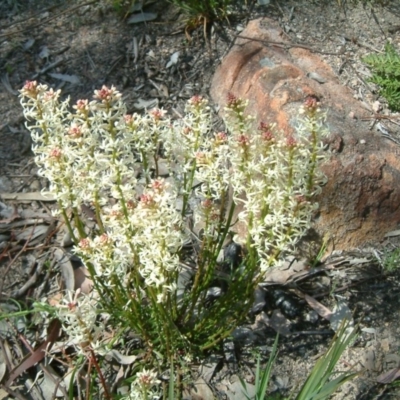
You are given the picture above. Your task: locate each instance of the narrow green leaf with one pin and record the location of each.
(171, 388)
(266, 375)
(319, 384)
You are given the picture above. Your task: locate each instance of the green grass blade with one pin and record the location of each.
(244, 391)
(261, 388)
(334, 385)
(262, 377)
(317, 383)
(171, 387)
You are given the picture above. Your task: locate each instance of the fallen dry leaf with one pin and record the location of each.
(389, 376)
(323, 311)
(53, 332)
(82, 280)
(30, 196)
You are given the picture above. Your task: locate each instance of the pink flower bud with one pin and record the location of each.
(158, 185)
(300, 198)
(115, 214)
(201, 158)
(311, 103)
(106, 94)
(30, 89)
(51, 95)
(130, 204)
(81, 105)
(266, 134)
(207, 204)
(291, 142)
(84, 244)
(186, 130)
(243, 140)
(75, 131)
(221, 137)
(147, 200)
(196, 100)
(232, 100)
(129, 119)
(104, 239)
(56, 153)
(157, 114)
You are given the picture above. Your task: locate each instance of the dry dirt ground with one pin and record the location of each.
(79, 46)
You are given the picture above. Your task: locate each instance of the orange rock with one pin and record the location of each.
(361, 200)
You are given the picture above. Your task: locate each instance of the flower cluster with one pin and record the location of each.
(78, 314)
(200, 156)
(102, 157)
(275, 176)
(144, 386)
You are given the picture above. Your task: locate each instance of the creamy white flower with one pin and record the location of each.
(90, 156)
(145, 386)
(79, 317)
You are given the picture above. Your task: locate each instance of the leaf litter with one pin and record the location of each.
(158, 70)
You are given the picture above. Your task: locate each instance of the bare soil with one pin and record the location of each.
(79, 46)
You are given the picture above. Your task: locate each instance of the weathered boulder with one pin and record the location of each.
(361, 201)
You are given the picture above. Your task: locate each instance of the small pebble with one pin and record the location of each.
(233, 255)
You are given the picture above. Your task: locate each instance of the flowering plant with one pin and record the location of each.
(154, 255)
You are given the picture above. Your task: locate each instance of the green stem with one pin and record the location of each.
(314, 156)
(98, 212)
(67, 223)
(78, 223)
(187, 188)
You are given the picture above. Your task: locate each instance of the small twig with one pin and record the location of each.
(377, 22)
(358, 43)
(394, 29)
(58, 386)
(177, 113)
(91, 62)
(23, 223)
(89, 370)
(13, 216)
(103, 381)
(20, 21)
(393, 122)
(5, 252)
(13, 261)
(13, 393)
(5, 355)
(28, 284)
(324, 332)
(41, 287)
(44, 369)
(48, 19)
(345, 287)
(390, 137)
(288, 45)
(361, 79)
(379, 116)
(48, 67)
(115, 63)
